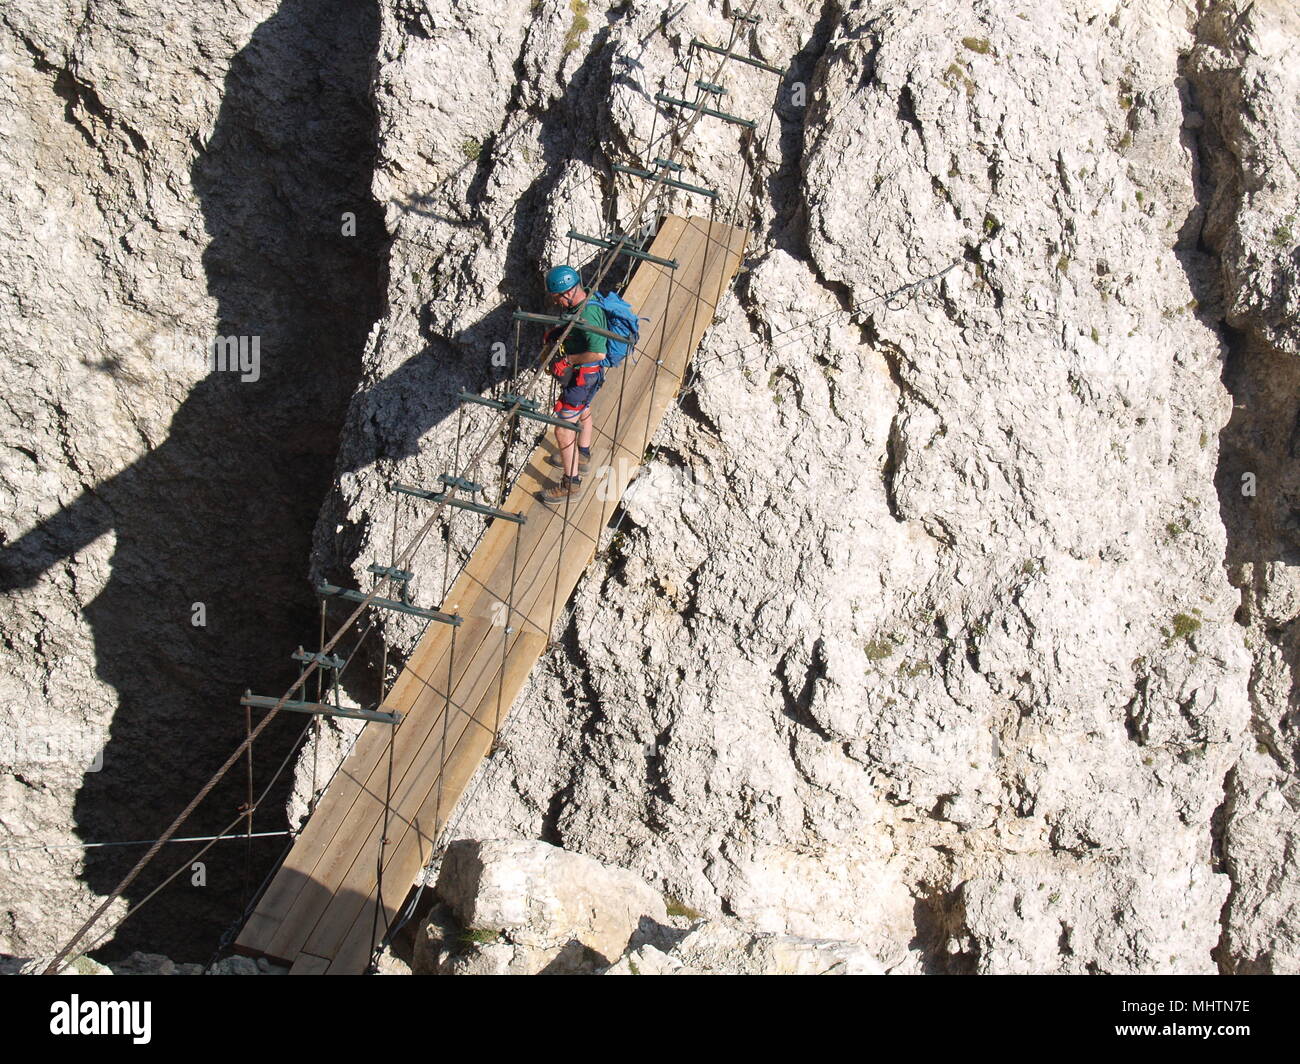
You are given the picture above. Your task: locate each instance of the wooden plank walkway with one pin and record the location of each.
(319, 912)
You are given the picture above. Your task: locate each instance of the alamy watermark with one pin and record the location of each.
(222, 354)
(76, 747)
(131, 1019)
(654, 485)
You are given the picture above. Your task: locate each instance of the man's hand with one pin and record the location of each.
(560, 366)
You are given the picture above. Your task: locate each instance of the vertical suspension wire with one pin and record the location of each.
(509, 426)
(446, 556)
(627, 272)
(383, 846)
(315, 719)
(673, 284)
(732, 226)
(629, 363)
(405, 597)
(388, 785)
(609, 212)
(654, 124)
(564, 525)
(699, 294)
(771, 117)
(552, 385)
(745, 161)
(248, 804)
(704, 269)
(686, 74)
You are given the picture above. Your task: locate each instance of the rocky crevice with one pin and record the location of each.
(153, 481)
(926, 644)
(1241, 84)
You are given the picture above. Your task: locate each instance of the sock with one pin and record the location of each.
(575, 480)
(585, 452)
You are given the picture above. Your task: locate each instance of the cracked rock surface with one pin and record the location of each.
(166, 178)
(940, 625)
(919, 632)
(1244, 72)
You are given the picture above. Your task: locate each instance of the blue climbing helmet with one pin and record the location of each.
(561, 279)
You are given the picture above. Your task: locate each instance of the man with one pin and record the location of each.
(580, 376)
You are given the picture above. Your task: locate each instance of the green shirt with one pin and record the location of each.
(579, 339)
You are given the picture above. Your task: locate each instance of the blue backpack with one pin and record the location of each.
(621, 318)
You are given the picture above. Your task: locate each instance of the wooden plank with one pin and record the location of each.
(306, 882)
(333, 861)
(294, 884)
(663, 400)
(415, 788)
(306, 964)
(353, 954)
(426, 825)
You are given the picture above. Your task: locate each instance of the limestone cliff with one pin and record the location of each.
(168, 178)
(939, 623)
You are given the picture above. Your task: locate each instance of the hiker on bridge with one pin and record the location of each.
(580, 368)
(577, 366)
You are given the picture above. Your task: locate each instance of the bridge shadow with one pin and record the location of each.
(389, 421)
(222, 511)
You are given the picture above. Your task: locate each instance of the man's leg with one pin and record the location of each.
(584, 430)
(565, 440)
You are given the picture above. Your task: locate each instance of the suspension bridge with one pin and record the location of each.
(320, 911)
(340, 892)
(335, 899)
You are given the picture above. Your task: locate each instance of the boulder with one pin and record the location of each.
(523, 907)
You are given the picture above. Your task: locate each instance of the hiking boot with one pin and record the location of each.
(557, 493)
(584, 463)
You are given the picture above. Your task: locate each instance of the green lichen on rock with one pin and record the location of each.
(578, 26)
(676, 907)
(478, 936)
(879, 649)
(1181, 626)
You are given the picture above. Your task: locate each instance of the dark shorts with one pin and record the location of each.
(576, 397)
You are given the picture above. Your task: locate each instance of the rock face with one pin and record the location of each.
(721, 947)
(918, 631)
(528, 907)
(1244, 70)
(139, 963)
(167, 179)
(939, 623)
(519, 907)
